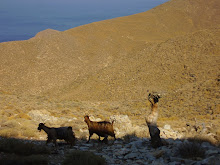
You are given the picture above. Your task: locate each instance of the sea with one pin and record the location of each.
(23, 19)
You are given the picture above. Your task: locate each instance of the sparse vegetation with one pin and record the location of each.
(191, 150)
(128, 138)
(20, 147)
(83, 158)
(202, 138)
(21, 152)
(23, 160)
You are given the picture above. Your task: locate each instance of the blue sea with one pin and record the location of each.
(23, 19)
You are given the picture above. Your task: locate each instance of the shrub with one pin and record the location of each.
(83, 158)
(10, 145)
(19, 116)
(129, 137)
(8, 132)
(191, 150)
(202, 138)
(28, 133)
(23, 160)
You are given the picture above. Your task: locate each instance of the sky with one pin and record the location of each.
(23, 19)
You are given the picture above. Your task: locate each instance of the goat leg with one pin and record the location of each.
(105, 140)
(114, 137)
(89, 137)
(48, 140)
(55, 142)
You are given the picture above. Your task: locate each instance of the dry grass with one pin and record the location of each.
(23, 160)
(129, 137)
(191, 150)
(203, 138)
(83, 158)
(19, 147)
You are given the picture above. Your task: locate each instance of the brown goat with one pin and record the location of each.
(53, 134)
(103, 129)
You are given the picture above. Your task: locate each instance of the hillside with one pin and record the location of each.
(73, 59)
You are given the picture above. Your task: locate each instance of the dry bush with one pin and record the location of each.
(9, 132)
(16, 146)
(28, 133)
(18, 127)
(129, 137)
(23, 160)
(191, 150)
(83, 158)
(202, 138)
(11, 124)
(20, 116)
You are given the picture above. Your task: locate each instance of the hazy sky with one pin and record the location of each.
(22, 19)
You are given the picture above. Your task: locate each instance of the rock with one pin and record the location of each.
(108, 159)
(42, 116)
(167, 127)
(206, 145)
(137, 144)
(84, 148)
(158, 154)
(213, 160)
(170, 141)
(174, 163)
(211, 152)
(122, 125)
(139, 161)
(118, 146)
(158, 163)
(118, 142)
(181, 160)
(134, 149)
(132, 155)
(123, 151)
(88, 144)
(143, 150)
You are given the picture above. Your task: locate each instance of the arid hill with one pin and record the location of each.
(172, 49)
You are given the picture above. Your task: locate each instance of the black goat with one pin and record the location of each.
(53, 134)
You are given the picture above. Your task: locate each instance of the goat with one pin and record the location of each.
(53, 134)
(151, 121)
(152, 118)
(102, 128)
